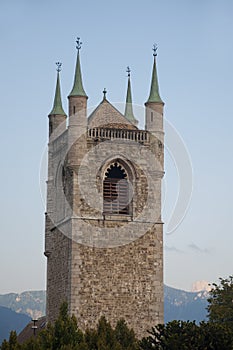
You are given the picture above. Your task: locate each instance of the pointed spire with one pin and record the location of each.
(128, 105)
(57, 104)
(78, 89)
(154, 90)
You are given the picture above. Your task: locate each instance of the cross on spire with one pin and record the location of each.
(128, 71)
(104, 92)
(155, 48)
(58, 64)
(79, 44)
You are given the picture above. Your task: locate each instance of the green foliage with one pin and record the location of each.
(215, 336)
(105, 335)
(46, 337)
(182, 335)
(174, 335)
(107, 338)
(12, 344)
(66, 330)
(125, 336)
(220, 308)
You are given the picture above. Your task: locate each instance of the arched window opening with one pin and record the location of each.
(116, 190)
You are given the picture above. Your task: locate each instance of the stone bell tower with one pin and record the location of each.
(104, 234)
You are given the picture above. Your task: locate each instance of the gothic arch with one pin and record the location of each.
(121, 160)
(117, 185)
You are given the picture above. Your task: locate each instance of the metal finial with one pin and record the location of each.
(58, 64)
(79, 44)
(104, 92)
(128, 71)
(155, 47)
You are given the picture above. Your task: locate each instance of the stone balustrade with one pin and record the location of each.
(107, 133)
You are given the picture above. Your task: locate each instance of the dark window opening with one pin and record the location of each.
(50, 128)
(116, 191)
(73, 109)
(151, 117)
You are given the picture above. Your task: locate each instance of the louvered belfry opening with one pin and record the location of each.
(116, 190)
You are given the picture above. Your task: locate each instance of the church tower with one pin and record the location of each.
(104, 233)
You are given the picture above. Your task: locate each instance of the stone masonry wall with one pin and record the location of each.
(112, 274)
(121, 282)
(58, 274)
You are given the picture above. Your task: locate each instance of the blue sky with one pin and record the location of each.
(195, 58)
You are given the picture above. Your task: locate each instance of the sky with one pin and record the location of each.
(195, 55)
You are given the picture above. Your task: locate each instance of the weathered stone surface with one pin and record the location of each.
(106, 115)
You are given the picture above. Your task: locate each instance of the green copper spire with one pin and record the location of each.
(128, 105)
(57, 104)
(154, 90)
(78, 89)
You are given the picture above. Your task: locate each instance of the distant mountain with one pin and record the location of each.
(181, 305)
(178, 305)
(11, 320)
(31, 303)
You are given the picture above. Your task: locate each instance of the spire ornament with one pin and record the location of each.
(58, 64)
(154, 49)
(128, 71)
(79, 44)
(104, 92)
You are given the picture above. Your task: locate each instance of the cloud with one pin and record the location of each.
(173, 249)
(194, 247)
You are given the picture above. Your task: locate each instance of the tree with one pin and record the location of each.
(105, 335)
(175, 335)
(66, 330)
(46, 336)
(220, 308)
(215, 336)
(125, 336)
(12, 344)
(182, 335)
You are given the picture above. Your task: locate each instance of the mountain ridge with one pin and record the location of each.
(31, 303)
(185, 306)
(11, 320)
